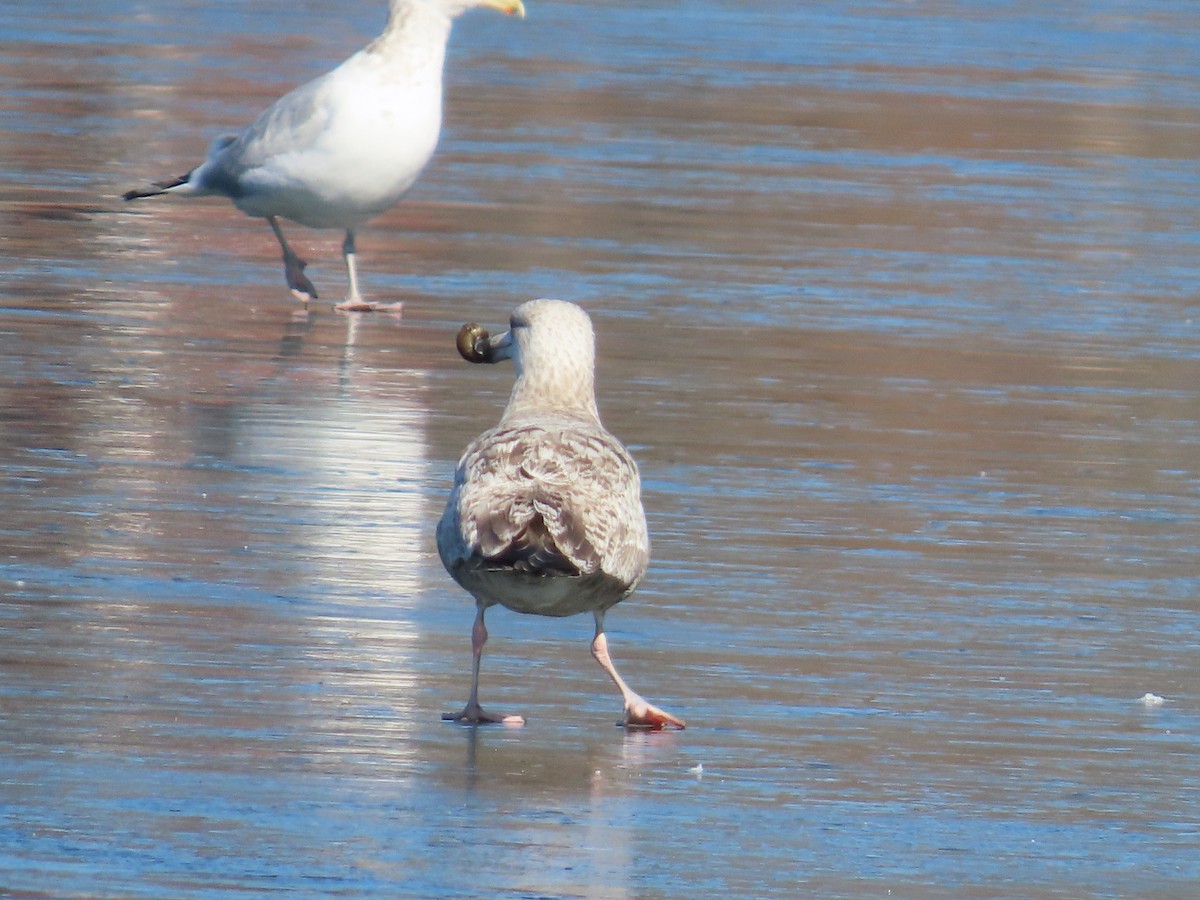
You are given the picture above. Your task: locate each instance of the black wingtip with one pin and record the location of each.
(158, 187)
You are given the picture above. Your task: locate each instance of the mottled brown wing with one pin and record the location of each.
(550, 500)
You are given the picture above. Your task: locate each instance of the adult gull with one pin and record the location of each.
(344, 147)
(545, 516)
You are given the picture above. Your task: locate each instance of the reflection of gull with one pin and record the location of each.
(314, 461)
(344, 147)
(546, 513)
(322, 455)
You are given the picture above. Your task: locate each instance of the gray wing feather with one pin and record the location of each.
(289, 125)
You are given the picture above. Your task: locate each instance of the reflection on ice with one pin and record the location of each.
(224, 541)
(834, 279)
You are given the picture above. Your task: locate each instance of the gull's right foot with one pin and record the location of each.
(473, 714)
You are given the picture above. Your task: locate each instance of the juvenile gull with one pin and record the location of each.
(546, 516)
(346, 146)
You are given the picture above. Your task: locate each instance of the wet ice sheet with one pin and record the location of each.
(901, 329)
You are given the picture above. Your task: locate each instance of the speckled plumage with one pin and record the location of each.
(546, 516)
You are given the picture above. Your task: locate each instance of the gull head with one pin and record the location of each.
(448, 10)
(553, 348)
(508, 7)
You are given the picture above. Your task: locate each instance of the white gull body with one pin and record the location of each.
(546, 516)
(344, 147)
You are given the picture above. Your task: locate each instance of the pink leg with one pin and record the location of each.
(354, 301)
(638, 713)
(473, 713)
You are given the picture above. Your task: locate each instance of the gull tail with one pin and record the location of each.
(158, 187)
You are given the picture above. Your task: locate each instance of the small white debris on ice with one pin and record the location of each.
(1148, 699)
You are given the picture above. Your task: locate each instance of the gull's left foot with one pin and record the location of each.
(640, 714)
(302, 289)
